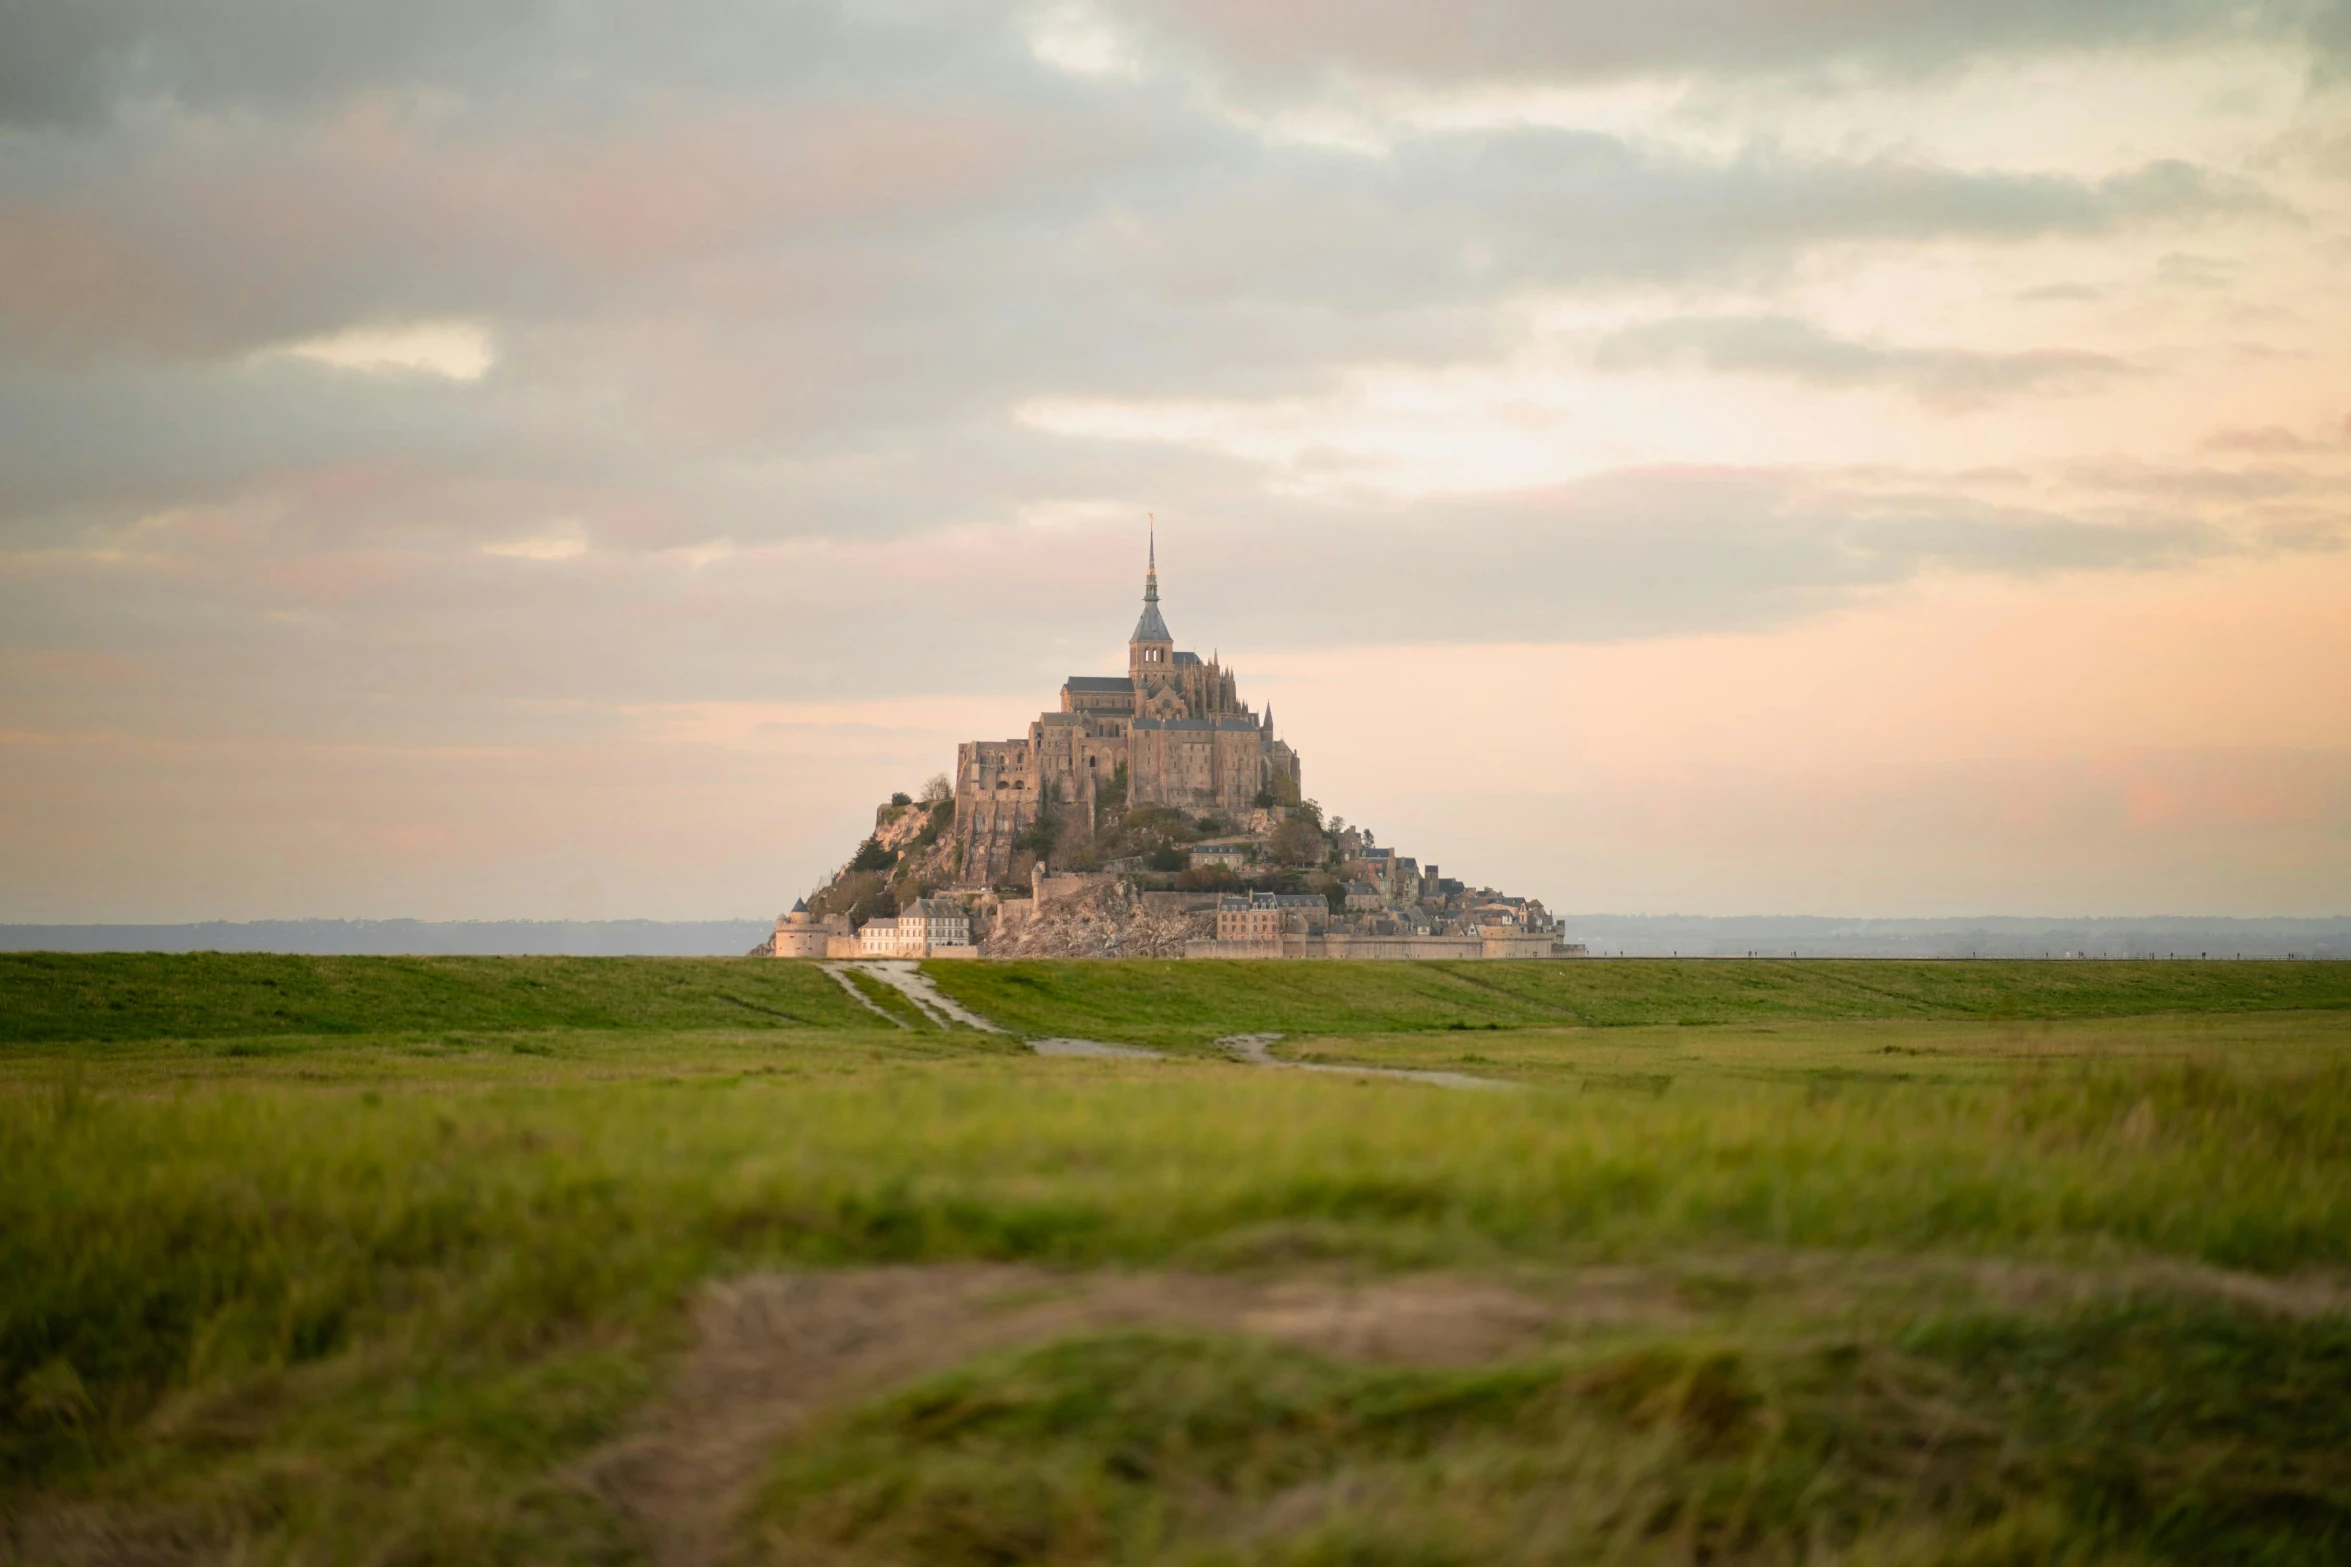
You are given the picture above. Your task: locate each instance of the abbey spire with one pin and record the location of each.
(1171, 731)
(1150, 632)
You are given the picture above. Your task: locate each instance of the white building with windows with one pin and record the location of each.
(925, 928)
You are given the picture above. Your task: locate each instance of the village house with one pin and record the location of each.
(925, 928)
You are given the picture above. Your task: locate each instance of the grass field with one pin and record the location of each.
(374, 1260)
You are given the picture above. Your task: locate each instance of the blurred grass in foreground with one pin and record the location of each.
(349, 1298)
(2116, 1432)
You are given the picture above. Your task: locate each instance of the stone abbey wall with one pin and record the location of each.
(1175, 722)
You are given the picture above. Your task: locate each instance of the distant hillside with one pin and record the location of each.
(431, 938)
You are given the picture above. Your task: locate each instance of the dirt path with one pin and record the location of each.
(1093, 1048)
(840, 973)
(773, 1350)
(907, 978)
(1256, 1050)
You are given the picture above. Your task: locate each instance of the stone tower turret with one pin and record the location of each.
(1150, 651)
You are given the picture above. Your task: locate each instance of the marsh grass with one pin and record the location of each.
(335, 1296)
(1825, 1055)
(1194, 1002)
(132, 996)
(2120, 1431)
(212, 995)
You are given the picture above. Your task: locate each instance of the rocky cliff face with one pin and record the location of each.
(1104, 919)
(1092, 907)
(909, 854)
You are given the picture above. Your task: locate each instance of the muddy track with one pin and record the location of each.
(773, 1350)
(840, 973)
(907, 978)
(1257, 1050)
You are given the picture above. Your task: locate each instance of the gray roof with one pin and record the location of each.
(1099, 683)
(1238, 725)
(799, 905)
(1187, 660)
(1151, 628)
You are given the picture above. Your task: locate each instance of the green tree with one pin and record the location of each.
(1297, 841)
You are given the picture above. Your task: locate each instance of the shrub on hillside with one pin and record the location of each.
(1297, 841)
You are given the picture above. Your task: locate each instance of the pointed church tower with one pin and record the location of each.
(1150, 651)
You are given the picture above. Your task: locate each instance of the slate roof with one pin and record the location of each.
(1099, 683)
(1239, 725)
(934, 908)
(1151, 628)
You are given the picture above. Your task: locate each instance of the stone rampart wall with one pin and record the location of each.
(1390, 949)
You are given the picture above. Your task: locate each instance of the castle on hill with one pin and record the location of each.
(1179, 827)
(1174, 722)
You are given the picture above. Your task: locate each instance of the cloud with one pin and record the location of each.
(453, 350)
(1446, 217)
(2267, 440)
(82, 62)
(1071, 37)
(348, 571)
(447, 377)
(1583, 41)
(1948, 378)
(566, 540)
(2059, 293)
(221, 239)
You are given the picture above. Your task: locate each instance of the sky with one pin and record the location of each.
(520, 459)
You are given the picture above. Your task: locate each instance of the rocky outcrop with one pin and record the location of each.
(1104, 919)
